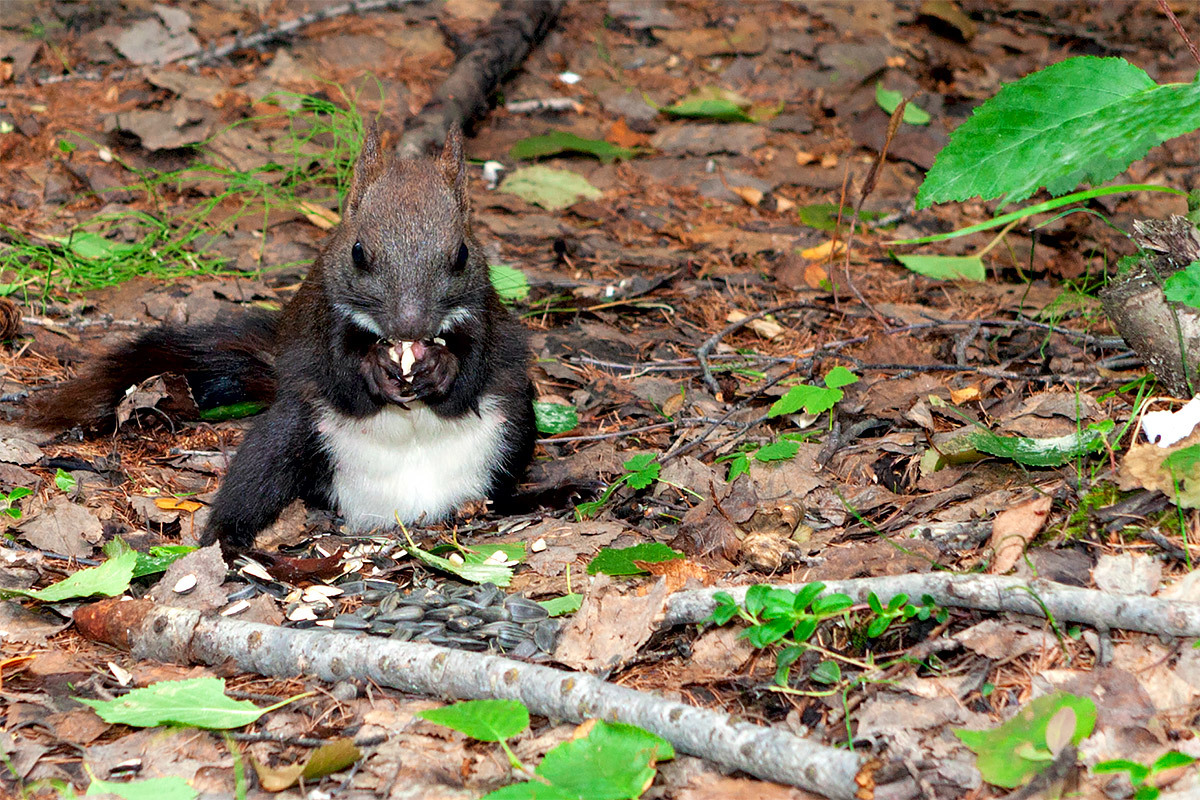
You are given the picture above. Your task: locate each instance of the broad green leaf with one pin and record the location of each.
(159, 558)
(838, 377)
(612, 561)
(1183, 461)
(510, 283)
(712, 102)
(1052, 452)
(1170, 760)
(738, 465)
(607, 764)
(824, 216)
(200, 702)
(1184, 286)
(1055, 128)
(19, 492)
(1013, 753)
(555, 417)
(552, 189)
(831, 604)
(813, 399)
(109, 579)
(642, 470)
(247, 408)
(529, 790)
(625, 735)
(485, 720)
(567, 604)
(475, 567)
(93, 246)
(827, 672)
(64, 480)
(781, 450)
(563, 142)
(806, 595)
(148, 789)
(889, 101)
(725, 609)
(945, 268)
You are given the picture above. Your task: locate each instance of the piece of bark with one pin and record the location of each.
(500, 48)
(183, 636)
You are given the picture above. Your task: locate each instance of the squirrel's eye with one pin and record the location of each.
(359, 255)
(463, 254)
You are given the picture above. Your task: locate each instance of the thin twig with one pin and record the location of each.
(1166, 9)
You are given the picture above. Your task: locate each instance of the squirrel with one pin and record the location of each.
(397, 381)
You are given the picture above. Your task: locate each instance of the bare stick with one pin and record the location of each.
(465, 94)
(183, 636)
(989, 593)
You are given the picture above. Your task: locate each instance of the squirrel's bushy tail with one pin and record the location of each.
(224, 363)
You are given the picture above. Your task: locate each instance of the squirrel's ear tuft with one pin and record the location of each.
(450, 164)
(368, 166)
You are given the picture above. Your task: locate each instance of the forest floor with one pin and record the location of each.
(134, 193)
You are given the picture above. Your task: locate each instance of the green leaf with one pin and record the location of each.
(1013, 753)
(552, 189)
(824, 216)
(889, 101)
(64, 480)
(829, 604)
(510, 283)
(839, 376)
(756, 598)
(610, 763)
(642, 470)
(148, 789)
(555, 417)
(878, 626)
(1137, 772)
(529, 790)
(247, 408)
(813, 399)
(109, 579)
(563, 142)
(711, 102)
(475, 567)
(567, 604)
(1052, 452)
(738, 465)
(93, 246)
(945, 268)
(782, 450)
(485, 720)
(1055, 129)
(806, 595)
(724, 610)
(159, 558)
(200, 702)
(1182, 461)
(827, 672)
(1170, 760)
(770, 632)
(1184, 286)
(783, 663)
(612, 561)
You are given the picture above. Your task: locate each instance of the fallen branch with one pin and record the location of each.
(500, 48)
(988, 593)
(184, 636)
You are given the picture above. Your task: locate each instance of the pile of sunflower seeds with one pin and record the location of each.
(466, 617)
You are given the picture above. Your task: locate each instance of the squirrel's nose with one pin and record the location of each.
(409, 324)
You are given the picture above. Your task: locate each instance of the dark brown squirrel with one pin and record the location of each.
(398, 383)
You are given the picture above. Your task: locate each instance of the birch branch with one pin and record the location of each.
(1065, 603)
(184, 636)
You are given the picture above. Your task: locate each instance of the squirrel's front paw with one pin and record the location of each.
(434, 372)
(384, 381)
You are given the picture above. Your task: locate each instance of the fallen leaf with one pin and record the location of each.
(966, 394)
(676, 572)
(766, 328)
(1014, 528)
(177, 504)
(824, 250)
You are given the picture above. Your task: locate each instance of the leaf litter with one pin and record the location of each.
(657, 253)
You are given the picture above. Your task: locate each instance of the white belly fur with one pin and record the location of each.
(410, 464)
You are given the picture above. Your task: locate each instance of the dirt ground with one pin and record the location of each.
(707, 223)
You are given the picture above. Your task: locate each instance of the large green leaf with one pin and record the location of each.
(1083, 120)
(109, 579)
(551, 189)
(485, 720)
(197, 701)
(563, 142)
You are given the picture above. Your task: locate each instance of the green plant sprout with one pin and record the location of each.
(1140, 775)
(779, 616)
(613, 761)
(640, 471)
(8, 502)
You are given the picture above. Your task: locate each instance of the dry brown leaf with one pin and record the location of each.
(765, 328)
(622, 135)
(320, 216)
(676, 572)
(177, 504)
(749, 194)
(966, 394)
(816, 276)
(1014, 528)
